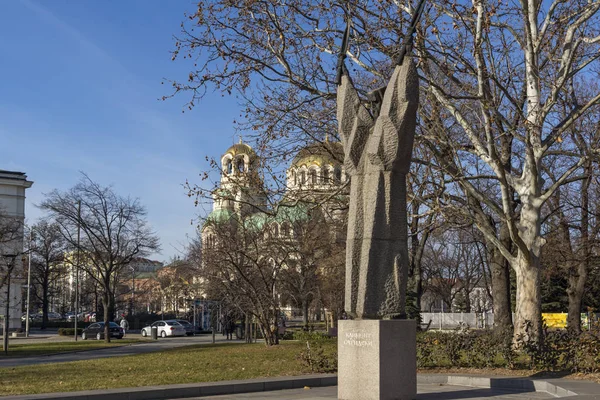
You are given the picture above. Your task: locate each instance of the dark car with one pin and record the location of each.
(189, 328)
(97, 330)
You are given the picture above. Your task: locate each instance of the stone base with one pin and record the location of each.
(377, 359)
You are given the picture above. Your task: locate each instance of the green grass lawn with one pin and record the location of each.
(199, 363)
(45, 348)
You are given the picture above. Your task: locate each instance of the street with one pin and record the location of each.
(147, 346)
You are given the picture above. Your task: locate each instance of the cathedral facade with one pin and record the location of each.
(316, 185)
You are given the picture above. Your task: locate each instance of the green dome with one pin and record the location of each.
(219, 216)
(291, 214)
(256, 221)
(299, 212)
(223, 193)
(326, 153)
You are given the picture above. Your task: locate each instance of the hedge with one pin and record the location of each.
(69, 331)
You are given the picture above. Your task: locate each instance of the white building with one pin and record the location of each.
(12, 214)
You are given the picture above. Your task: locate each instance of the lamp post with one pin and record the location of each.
(77, 266)
(131, 307)
(7, 310)
(28, 282)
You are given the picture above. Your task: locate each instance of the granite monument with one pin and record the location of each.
(377, 348)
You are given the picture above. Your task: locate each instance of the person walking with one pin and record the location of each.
(231, 327)
(124, 325)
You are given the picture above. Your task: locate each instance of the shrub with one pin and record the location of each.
(313, 336)
(287, 335)
(454, 343)
(544, 354)
(427, 344)
(481, 348)
(559, 350)
(585, 356)
(69, 331)
(316, 358)
(506, 349)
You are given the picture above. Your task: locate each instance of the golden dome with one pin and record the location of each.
(240, 149)
(325, 153)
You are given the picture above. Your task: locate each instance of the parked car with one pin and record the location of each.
(97, 330)
(189, 328)
(34, 317)
(90, 317)
(53, 316)
(166, 328)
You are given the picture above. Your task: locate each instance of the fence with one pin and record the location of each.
(486, 320)
(454, 320)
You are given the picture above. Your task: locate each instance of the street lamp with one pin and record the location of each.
(29, 281)
(77, 266)
(131, 307)
(7, 310)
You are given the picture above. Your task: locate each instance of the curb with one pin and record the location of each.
(190, 390)
(509, 383)
(179, 391)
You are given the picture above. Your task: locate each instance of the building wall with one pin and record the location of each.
(12, 205)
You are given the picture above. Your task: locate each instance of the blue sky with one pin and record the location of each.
(79, 89)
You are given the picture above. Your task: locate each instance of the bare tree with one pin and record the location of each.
(241, 265)
(11, 235)
(314, 265)
(507, 115)
(47, 252)
(454, 266)
(176, 283)
(573, 231)
(113, 231)
(500, 73)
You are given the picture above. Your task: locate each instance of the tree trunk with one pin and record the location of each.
(500, 270)
(528, 324)
(418, 279)
(577, 281)
(269, 331)
(578, 274)
(305, 313)
(45, 303)
(416, 255)
(108, 306)
(467, 300)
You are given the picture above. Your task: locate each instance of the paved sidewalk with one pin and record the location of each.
(425, 392)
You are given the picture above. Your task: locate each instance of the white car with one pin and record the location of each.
(166, 328)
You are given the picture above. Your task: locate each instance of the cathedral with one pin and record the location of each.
(316, 184)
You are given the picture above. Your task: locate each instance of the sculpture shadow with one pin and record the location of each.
(498, 387)
(550, 374)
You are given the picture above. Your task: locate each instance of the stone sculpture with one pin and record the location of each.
(378, 138)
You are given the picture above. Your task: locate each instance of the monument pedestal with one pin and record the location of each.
(377, 359)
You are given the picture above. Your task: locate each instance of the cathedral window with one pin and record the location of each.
(285, 229)
(302, 178)
(325, 175)
(313, 176)
(240, 164)
(337, 175)
(229, 167)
